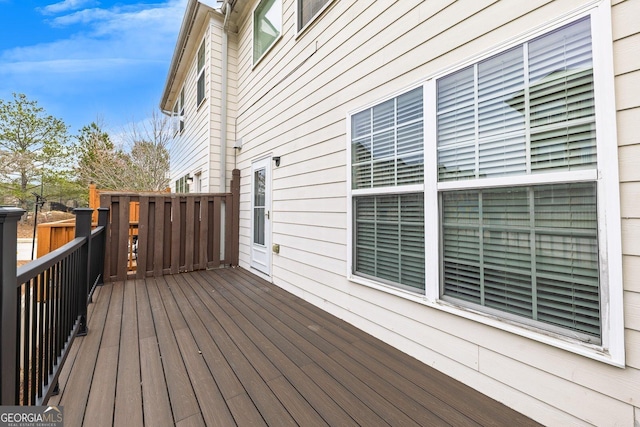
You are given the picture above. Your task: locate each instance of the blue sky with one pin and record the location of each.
(84, 59)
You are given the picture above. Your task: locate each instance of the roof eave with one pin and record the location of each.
(195, 11)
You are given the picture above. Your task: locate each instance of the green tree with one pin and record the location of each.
(99, 161)
(32, 145)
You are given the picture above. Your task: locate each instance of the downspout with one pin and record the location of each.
(226, 9)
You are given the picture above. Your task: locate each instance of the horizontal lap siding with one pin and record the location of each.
(190, 150)
(626, 34)
(294, 104)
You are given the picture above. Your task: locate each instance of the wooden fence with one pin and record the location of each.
(174, 232)
(52, 235)
(94, 203)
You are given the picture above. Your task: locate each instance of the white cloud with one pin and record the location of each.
(66, 5)
(117, 55)
(106, 38)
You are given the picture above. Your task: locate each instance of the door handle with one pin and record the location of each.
(267, 215)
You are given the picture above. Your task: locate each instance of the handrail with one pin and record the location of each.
(37, 266)
(44, 306)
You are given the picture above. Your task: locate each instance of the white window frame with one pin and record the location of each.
(301, 29)
(376, 191)
(611, 350)
(201, 74)
(175, 125)
(181, 115)
(256, 61)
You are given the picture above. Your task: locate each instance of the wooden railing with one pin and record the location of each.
(174, 232)
(44, 306)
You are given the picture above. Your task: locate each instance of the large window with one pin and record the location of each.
(307, 9)
(499, 202)
(201, 60)
(267, 26)
(531, 249)
(387, 159)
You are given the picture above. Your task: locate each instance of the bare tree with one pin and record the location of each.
(141, 167)
(149, 142)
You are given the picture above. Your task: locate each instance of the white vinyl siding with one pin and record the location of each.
(296, 104)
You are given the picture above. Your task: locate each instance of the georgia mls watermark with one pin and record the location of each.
(31, 416)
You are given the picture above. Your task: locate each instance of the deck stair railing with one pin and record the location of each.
(43, 306)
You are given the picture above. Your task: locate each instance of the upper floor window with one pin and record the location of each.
(181, 112)
(201, 58)
(178, 114)
(307, 9)
(267, 26)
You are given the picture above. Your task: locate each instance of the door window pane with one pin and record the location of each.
(259, 177)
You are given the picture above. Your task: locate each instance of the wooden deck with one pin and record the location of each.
(223, 347)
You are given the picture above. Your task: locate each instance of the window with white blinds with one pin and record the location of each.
(389, 238)
(524, 111)
(387, 168)
(488, 193)
(387, 143)
(530, 250)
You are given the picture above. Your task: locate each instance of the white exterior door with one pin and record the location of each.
(261, 216)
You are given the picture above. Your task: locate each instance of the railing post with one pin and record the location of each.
(83, 229)
(103, 220)
(235, 217)
(8, 304)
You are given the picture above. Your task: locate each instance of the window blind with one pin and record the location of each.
(387, 143)
(537, 96)
(530, 251)
(389, 238)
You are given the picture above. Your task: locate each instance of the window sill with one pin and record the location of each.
(590, 351)
(201, 104)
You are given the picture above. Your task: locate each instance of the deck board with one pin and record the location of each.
(128, 404)
(181, 394)
(223, 348)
